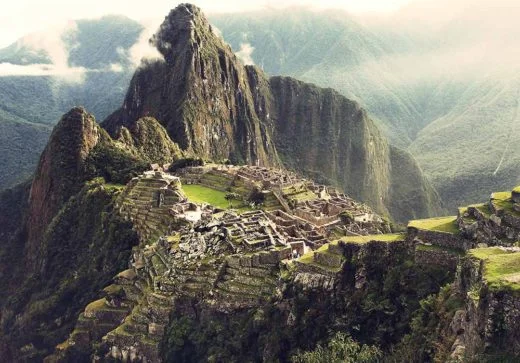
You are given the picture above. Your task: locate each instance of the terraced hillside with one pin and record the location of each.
(230, 261)
(191, 250)
(268, 267)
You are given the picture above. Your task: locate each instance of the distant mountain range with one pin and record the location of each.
(442, 93)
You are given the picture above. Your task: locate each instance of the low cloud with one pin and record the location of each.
(142, 49)
(245, 53)
(116, 67)
(52, 43)
(68, 74)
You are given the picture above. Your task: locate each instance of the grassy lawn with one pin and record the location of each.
(440, 224)
(308, 259)
(202, 194)
(501, 196)
(501, 268)
(374, 237)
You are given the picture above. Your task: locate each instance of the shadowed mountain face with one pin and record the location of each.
(215, 107)
(61, 238)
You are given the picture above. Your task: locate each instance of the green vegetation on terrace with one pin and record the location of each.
(483, 253)
(373, 237)
(516, 189)
(504, 196)
(96, 305)
(308, 259)
(502, 200)
(501, 268)
(439, 224)
(463, 210)
(217, 198)
(482, 208)
(114, 187)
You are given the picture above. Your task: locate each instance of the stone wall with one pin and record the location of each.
(437, 258)
(442, 239)
(328, 259)
(309, 216)
(272, 257)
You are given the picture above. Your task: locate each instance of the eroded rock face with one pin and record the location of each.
(491, 316)
(60, 172)
(214, 107)
(200, 94)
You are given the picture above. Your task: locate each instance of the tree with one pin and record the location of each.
(341, 349)
(230, 197)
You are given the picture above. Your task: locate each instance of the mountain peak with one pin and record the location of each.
(61, 167)
(185, 24)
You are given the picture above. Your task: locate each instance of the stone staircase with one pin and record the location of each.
(271, 203)
(281, 200)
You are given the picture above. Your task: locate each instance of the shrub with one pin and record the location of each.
(340, 349)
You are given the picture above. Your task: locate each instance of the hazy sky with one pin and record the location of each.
(20, 17)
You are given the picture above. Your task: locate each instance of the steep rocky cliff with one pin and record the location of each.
(323, 134)
(60, 172)
(216, 108)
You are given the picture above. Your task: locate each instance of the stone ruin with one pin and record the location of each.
(290, 199)
(226, 259)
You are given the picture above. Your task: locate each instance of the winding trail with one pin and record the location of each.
(515, 117)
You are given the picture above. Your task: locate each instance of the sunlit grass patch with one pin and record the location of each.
(439, 224)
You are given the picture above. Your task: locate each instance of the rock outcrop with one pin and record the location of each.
(216, 108)
(60, 173)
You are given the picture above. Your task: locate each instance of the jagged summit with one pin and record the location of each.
(185, 24)
(200, 94)
(61, 167)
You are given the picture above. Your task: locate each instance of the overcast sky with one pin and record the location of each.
(19, 17)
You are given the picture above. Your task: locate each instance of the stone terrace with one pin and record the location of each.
(147, 201)
(225, 259)
(495, 223)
